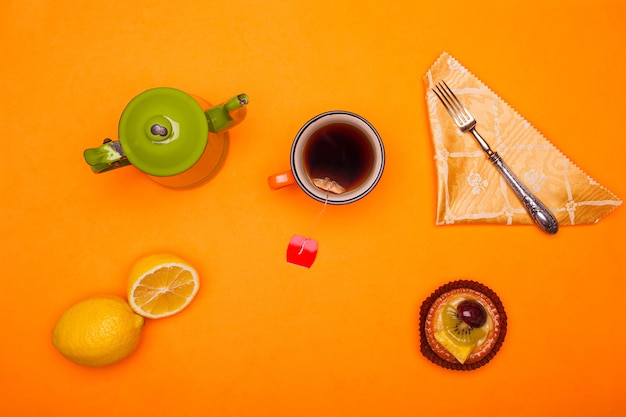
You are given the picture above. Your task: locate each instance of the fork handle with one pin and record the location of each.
(539, 212)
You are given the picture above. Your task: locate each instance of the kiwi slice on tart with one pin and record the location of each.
(459, 331)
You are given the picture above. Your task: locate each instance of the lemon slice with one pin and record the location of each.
(161, 285)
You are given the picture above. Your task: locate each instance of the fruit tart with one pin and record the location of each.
(462, 325)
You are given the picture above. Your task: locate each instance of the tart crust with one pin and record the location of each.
(431, 309)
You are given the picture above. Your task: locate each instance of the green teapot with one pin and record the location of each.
(177, 139)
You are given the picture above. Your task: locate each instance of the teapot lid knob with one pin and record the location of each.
(159, 128)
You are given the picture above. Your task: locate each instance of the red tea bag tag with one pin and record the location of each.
(302, 251)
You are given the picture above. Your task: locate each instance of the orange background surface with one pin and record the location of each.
(263, 337)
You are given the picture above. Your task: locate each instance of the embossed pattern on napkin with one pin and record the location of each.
(470, 189)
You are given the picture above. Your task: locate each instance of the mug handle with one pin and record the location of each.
(281, 180)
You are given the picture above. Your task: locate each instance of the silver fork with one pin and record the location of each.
(541, 215)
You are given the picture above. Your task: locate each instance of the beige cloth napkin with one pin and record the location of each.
(471, 190)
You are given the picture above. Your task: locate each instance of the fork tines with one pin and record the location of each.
(453, 105)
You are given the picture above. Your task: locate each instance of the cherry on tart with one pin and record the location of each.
(462, 325)
(472, 313)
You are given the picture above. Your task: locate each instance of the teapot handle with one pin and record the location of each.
(106, 157)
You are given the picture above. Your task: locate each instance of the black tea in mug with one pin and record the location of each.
(338, 157)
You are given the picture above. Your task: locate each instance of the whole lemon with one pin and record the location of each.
(98, 331)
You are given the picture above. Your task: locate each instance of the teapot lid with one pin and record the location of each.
(163, 131)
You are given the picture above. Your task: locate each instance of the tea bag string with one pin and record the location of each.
(317, 218)
(319, 215)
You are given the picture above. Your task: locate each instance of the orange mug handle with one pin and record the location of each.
(281, 180)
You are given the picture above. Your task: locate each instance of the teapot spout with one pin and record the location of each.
(227, 114)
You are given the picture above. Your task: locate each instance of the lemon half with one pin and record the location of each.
(161, 285)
